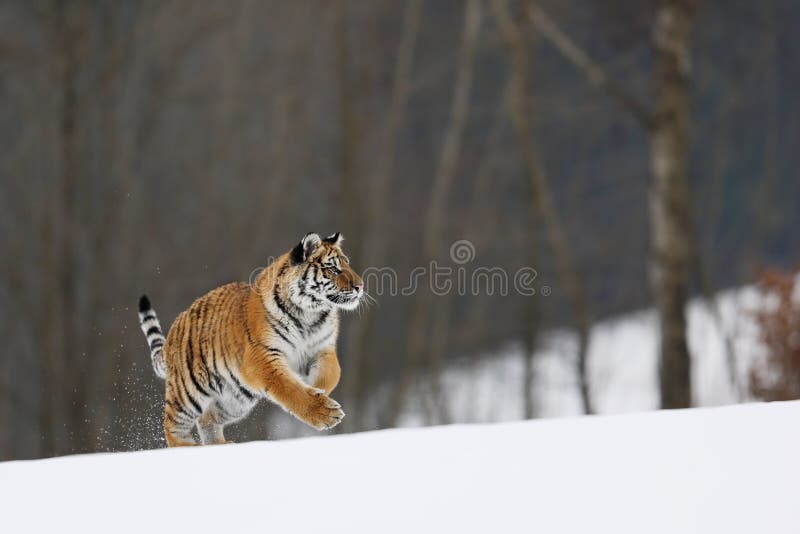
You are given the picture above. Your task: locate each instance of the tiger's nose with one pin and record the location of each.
(358, 287)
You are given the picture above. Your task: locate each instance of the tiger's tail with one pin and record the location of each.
(155, 336)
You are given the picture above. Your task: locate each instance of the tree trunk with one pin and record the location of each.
(349, 196)
(669, 198)
(354, 385)
(541, 197)
(668, 127)
(59, 407)
(425, 309)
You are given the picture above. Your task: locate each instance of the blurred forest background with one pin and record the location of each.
(634, 152)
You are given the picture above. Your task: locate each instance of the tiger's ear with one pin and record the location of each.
(334, 239)
(305, 247)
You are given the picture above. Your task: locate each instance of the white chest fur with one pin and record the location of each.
(301, 338)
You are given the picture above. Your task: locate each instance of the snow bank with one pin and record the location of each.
(706, 470)
(622, 366)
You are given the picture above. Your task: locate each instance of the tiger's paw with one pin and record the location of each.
(322, 412)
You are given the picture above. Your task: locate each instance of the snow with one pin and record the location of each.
(622, 366)
(723, 470)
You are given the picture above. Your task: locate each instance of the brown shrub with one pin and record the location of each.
(778, 377)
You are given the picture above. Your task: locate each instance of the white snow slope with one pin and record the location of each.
(711, 470)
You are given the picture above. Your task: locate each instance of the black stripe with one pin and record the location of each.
(215, 331)
(277, 330)
(189, 397)
(179, 423)
(200, 317)
(282, 306)
(215, 380)
(230, 373)
(283, 337)
(303, 291)
(194, 402)
(190, 368)
(248, 333)
(214, 335)
(146, 317)
(274, 322)
(179, 331)
(198, 335)
(181, 410)
(213, 384)
(152, 330)
(246, 392)
(233, 379)
(324, 339)
(239, 385)
(171, 419)
(224, 316)
(182, 382)
(316, 324)
(185, 391)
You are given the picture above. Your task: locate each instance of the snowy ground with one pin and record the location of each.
(623, 367)
(721, 470)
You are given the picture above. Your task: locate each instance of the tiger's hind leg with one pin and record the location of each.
(179, 420)
(210, 426)
(178, 433)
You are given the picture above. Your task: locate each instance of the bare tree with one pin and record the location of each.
(668, 127)
(541, 196)
(425, 309)
(60, 336)
(476, 225)
(348, 131)
(669, 201)
(374, 240)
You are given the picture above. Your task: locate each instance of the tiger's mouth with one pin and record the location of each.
(347, 301)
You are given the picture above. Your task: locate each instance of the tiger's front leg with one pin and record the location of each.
(326, 372)
(267, 370)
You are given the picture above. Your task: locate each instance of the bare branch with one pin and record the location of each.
(596, 74)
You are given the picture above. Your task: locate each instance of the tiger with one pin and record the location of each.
(273, 338)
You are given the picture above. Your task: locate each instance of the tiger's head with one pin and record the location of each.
(324, 277)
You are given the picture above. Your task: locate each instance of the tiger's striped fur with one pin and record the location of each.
(274, 339)
(155, 336)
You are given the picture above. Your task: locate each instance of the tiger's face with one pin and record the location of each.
(324, 276)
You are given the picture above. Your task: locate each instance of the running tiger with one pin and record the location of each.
(240, 343)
